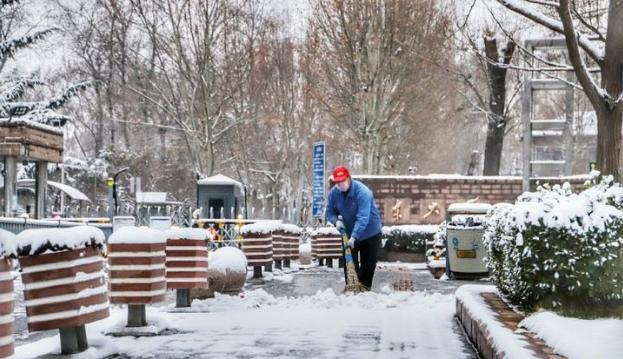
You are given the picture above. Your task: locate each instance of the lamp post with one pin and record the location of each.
(111, 183)
(246, 213)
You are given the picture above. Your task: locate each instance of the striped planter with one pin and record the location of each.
(328, 246)
(258, 248)
(64, 289)
(7, 303)
(137, 272)
(314, 246)
(279, 250)
(291, 245)
(187, 263)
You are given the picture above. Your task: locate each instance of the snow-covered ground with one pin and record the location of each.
(578, 338)
(259, 324)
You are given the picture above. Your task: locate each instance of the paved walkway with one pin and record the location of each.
(303, 315)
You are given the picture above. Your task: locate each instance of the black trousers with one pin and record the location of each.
(365, 255)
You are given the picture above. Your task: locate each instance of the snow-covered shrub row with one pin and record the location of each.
(554, 248)
(408, 238)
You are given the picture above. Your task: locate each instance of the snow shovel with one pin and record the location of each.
(352, 280)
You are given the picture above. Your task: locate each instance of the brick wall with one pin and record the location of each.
(417, 195)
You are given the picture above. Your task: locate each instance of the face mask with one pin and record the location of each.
(343, 186)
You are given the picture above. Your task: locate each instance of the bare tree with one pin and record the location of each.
(606, 52)
(369, 79)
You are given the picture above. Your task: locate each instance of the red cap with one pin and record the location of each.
(340, 173)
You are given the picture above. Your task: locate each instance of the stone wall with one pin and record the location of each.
(424, 199)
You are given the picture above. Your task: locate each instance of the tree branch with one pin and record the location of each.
(591, 89)
(595, 52)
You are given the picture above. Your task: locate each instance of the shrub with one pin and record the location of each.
(408, 238)
(557, 249)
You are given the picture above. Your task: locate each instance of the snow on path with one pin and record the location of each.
(325, 325)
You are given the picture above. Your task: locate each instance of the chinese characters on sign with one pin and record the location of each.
(318, 179)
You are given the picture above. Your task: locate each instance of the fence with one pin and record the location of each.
(17, 225)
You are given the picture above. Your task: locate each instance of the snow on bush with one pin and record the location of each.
(554, 248)
(36, 241)
(227, 258)
(408, 238)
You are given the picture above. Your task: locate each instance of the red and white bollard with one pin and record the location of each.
(187, 262)
(64, 286)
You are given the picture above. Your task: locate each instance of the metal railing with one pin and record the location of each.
(16, 225)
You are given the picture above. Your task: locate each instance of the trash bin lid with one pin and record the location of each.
(475, 208)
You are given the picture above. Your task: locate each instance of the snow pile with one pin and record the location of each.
(511, 344)
(325, 231)
(226, 258)
(189, 233)
(577, 338)
(305, 248)
(261, 227)
(549, 247)
(137, 235)
(36, 241)
(8, 244)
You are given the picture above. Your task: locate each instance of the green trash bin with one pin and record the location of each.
(465, 251)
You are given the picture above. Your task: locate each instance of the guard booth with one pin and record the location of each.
(465, 251)
(219, 197)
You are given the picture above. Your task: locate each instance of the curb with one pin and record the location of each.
(479, 335)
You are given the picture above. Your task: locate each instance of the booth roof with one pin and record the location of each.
(219, 179)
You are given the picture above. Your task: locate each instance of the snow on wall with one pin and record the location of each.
(412, 229)
(511, 344)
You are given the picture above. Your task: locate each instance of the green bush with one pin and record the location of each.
(408, 238)
(557, 249)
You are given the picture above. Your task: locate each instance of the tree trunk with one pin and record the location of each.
(609, 142)
(496, 119)
(493, 149)
(609, 122)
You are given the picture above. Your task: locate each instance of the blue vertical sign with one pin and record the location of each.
(318, 179)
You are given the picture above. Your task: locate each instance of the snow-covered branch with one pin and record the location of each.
(592, 90)
(71, 91)
(18, 89)
(9, 47)
(594, 51)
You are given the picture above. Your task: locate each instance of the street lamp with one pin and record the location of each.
(111, 183)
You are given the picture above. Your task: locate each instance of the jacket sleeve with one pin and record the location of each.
(364, 201)
(331, 212)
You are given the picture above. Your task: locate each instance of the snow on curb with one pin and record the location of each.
(578, 338)
(502, 338)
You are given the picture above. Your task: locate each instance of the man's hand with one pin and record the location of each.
(351, 242)
(339, 225)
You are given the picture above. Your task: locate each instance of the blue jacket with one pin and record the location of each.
(359, 213)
